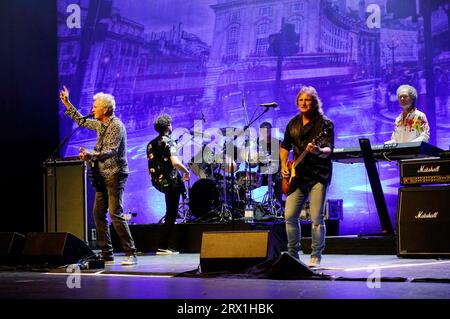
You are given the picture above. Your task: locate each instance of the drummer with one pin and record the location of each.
(261, 161)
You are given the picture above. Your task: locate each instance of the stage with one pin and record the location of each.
(171, 277)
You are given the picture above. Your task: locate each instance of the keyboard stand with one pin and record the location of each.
(375, 184)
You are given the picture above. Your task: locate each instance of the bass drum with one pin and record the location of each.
(204, 197)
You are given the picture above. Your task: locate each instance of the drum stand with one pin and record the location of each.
(273, 206)
(224, 210)
(183, 209)
(249, 203)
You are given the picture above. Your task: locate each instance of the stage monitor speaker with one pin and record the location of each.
(423, 222)
(233, 250)
(11, 247)
(69, 200)
(54, 249)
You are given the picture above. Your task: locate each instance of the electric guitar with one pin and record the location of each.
(286, 182)
(93, 172)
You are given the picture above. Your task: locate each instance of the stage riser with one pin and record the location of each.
(186, 238)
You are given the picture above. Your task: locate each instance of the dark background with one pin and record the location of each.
(28, 102)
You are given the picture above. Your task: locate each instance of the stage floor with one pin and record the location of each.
(154, 278)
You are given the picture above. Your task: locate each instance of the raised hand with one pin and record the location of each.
(64, 96)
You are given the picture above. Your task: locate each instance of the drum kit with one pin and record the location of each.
(223, 192)
(223, 188)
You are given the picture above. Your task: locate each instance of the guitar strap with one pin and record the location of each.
(317, 127)
(94, 165)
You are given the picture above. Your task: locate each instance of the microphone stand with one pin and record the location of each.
(248, 190)
(52, 157)
(232, 143)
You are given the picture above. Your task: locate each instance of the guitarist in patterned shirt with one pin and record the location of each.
(111, 173)
(311, 136)
(163, 166)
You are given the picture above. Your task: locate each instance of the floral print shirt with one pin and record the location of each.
(113, 147)
(411, 128)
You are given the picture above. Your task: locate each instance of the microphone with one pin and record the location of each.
(87, 116)
(271, 104)
(203, 118)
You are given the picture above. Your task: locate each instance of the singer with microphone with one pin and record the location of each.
(108, 172)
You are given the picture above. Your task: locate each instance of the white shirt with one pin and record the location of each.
(411, 128)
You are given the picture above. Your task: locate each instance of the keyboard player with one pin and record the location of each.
(411, 125)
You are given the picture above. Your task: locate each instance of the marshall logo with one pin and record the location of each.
(422, 215)
(430, 169)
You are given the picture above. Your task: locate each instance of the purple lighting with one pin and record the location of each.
(195, 59)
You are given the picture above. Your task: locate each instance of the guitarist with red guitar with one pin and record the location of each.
(310, 134)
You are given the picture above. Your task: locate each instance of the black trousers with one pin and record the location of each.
(172, 198)
(110, 195)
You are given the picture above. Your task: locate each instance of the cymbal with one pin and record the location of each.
(199, 133)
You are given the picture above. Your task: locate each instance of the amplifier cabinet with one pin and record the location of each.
(68, 200)
(423, 222)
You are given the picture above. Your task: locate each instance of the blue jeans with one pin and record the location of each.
(294, 204)
(111, 196)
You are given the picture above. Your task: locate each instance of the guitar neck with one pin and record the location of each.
(300, 159)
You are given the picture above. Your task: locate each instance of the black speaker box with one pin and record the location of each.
(54, 249)
(69, 200)
(11, 246)
(423, 222)
(233, 250)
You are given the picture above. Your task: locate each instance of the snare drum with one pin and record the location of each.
(249, 179)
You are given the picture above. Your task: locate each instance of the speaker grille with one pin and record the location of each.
(423, 221)
(233, 250)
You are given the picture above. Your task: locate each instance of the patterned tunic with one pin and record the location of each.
(112, 148)
(412, 128)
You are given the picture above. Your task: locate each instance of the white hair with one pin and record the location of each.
(108, 99)
(412, 92)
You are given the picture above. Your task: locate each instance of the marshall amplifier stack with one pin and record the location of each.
(433, 170)
(423, 216)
